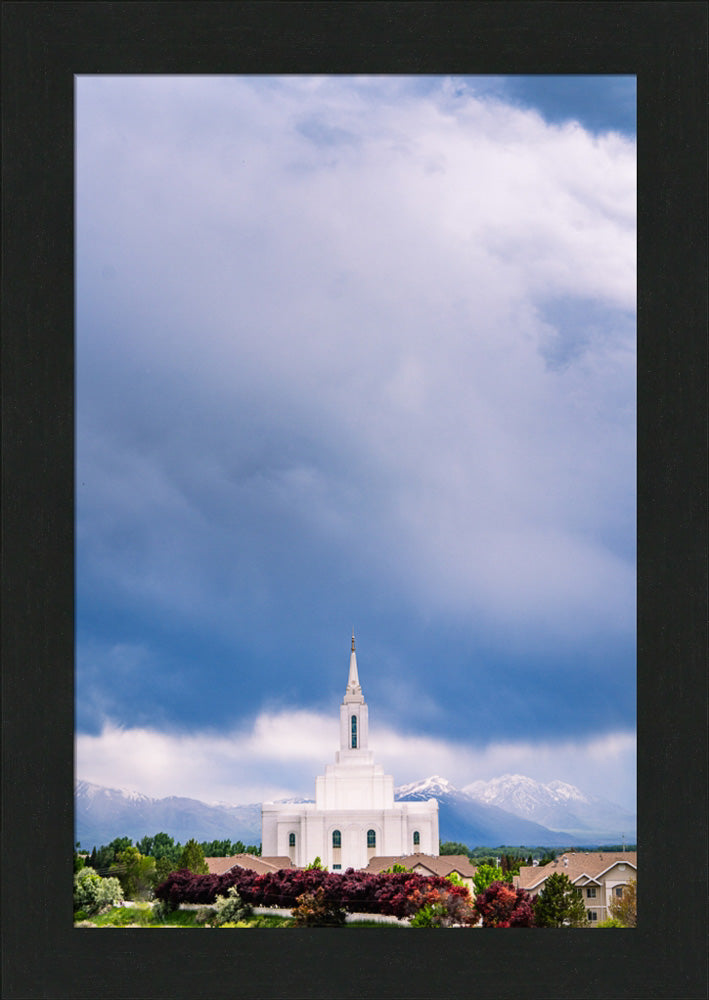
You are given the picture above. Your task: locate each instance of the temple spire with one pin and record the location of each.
(353, 692)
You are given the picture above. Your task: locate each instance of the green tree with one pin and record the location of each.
(625, 907)
(485, 875)
(135, 872)
(119, 844)
(192, 857)
(559, 904)
(452, 847)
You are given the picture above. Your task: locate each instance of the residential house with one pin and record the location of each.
(428, 864)
(220, 866)
(600, 875)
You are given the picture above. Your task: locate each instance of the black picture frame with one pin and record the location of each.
(44, 45)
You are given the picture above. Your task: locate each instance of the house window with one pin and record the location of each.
(618, 890)
(291, 840)
(371, 838)
(337, 868)
(354, 732)
(417, 838)
(592, 915)
(336, 838)
(591, 892)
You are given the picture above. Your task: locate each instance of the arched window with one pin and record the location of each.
(291, 840)
(354, 732)
(371, 838)
(336, 838)
(417, 838)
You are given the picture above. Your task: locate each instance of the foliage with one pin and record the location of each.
(501, 905)
(484, 876)
(192, 857)
(92, 893)
(510, 865)
(229, 908)
(160, 846)
(442, 908)
(430, 915)
(452, 847)
(314, 909)
(625, 908)
(611, 922)
(455, 879)
(315, 866)
(135, 872)
(559, 904)
(227, 848)
(399, 894)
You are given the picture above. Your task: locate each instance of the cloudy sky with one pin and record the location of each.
(355, 352)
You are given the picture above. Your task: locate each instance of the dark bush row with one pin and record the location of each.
(399, 894)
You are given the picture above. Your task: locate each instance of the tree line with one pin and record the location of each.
(140, 866)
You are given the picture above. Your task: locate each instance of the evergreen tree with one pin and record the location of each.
(192, 857)
(559, 904)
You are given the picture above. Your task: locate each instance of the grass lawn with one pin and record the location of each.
(141, 915)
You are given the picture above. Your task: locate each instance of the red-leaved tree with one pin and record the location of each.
(501, 905)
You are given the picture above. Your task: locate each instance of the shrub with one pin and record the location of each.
(625, 909)
(161, 909)
(441, 908)
(92, 893)
(430, 915)
(314, 909)
(501, 905)
(610, 922)
(230, 908)
(400, 894)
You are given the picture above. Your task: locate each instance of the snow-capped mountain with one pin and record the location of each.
(513, 810)
(476, 824)
(557, 805)
(428, 788)
(101, 814)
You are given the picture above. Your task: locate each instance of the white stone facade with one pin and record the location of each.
(354, 817)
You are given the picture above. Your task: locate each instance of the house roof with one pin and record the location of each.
(442, 864)
(219, 866)
(581, 867)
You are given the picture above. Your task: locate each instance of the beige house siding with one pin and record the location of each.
(601, 871)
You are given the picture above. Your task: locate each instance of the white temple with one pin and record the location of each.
(354, 816)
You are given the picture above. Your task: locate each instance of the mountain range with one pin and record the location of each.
(512, 810)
